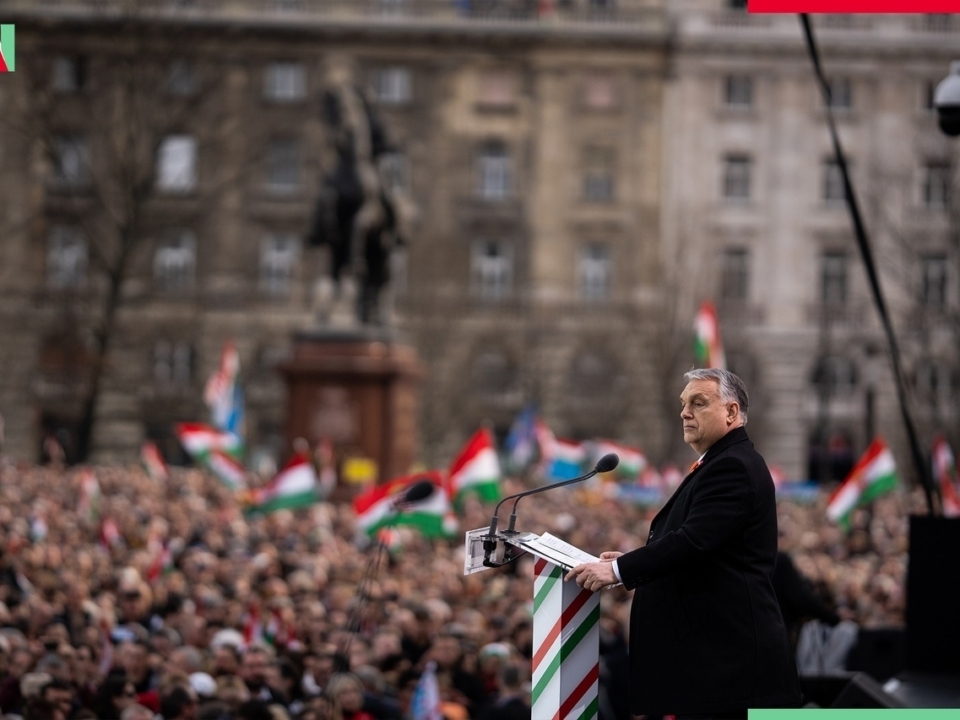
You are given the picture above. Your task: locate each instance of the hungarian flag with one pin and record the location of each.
(230, 472)
(382, 506)
(88, 507)
(153, 462)
(222, 393)
(707, 348)
(945, 473)
(295, 486)
(476, 469)
(632, 461)
(200, 439)
(110, 536)
(161, 563)
(874, 474)
(560, 459)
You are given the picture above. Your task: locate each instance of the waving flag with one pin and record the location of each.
(708, 350)
(379, 507)
(521, 443)
(230, 472)
(223, 395)
(200, 440)
(295, 486)
(560, 459)
(476, 469)
(945, 474)
(153, 462)
(874, 474)
(88, 507)
(425, 704)
(632, 461)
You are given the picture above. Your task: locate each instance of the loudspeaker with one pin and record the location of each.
(880, 652)
(823, 690)
(866, 693)
(933, 595)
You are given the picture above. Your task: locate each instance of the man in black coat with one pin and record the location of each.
(706, 635)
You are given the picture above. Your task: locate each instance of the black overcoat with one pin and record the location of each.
(706, 633)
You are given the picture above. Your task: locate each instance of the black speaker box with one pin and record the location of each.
(933, 595)
(865, 693)
(879, 652)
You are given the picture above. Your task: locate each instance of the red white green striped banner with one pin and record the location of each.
(566, 646)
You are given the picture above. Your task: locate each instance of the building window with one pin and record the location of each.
(936, 185)
(181, 78)
(491, 272)
(66, 258)
(285, 82)
(600, 92)
(177, 164)
(738, 91)
(833, 189)
(833, 279)
(393, 86)
(278, 260)
(495, 173)
(734, 281)
(736, 177)
(929, 91)
(283, 166)
(395, 171)
(835, 375)
(72, 161)
(594, 272)
(497, 89)
(598, 175)
(933, 290)
(175, 261)
(493, 374)
(69, 74)
(172, 363)
(841, 93)
(933, 381)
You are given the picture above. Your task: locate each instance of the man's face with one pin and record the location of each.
(706, 418)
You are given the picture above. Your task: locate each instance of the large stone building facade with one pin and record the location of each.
(161, 163)
(584, 173)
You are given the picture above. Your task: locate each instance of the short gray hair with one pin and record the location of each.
(732, 388)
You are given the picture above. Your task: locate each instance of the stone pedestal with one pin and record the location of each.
(358, 388)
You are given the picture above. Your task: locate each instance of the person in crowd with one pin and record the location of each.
(178, 703)
(706, 633)
(116, 693)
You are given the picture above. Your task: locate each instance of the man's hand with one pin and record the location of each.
(595, 575)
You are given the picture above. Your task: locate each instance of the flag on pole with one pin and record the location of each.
(162, 561)
(378, 507)
(200, 439)
(110, 536)
(425, 704)
(476, 470)
(521, 443)
(945, 473)
(707, 349)
(874, 474)
(153, 462)
(230, 472)
(223, 395)
(560, 459)
(295, 486)
(632, 461)
(88, 507)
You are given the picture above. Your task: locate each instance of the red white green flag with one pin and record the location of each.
(632, 461)
(295, 486)
(874, 474)
(88, 506)
(945, 473)
(230, 472)
(153, 462)
(707, 347)
(476, 470)
(198, 439)
(381, 507)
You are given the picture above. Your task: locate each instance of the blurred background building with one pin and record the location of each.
(585, 173)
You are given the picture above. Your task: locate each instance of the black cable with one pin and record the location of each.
(866, 253)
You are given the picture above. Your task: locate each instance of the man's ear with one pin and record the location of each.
(733, 411)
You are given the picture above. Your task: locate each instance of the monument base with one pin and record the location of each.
(357, 389)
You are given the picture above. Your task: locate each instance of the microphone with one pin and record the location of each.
(415, 493)
(604, 465)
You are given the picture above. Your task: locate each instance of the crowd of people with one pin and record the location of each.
(164, 599)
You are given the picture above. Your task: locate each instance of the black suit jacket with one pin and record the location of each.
(706, 633)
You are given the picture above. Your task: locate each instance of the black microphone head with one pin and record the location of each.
(607, 463)
(419, 491)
